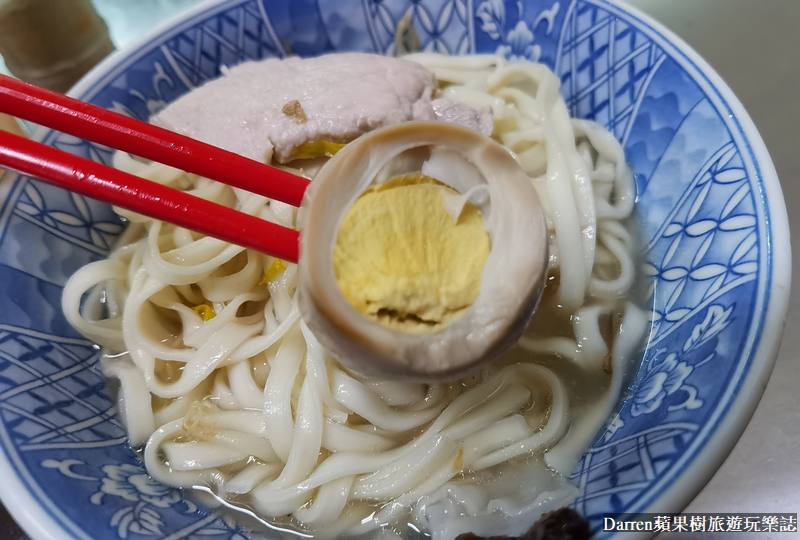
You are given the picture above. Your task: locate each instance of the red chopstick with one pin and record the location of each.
(115, 130)
(125, 190)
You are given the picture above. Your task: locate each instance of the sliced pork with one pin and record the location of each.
(265, 109)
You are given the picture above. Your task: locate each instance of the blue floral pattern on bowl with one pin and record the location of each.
(702, 207)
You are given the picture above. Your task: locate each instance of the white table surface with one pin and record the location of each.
(755, 46)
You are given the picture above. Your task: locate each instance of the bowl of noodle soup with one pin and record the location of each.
(157, 383)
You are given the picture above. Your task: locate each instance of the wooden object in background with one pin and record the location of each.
(52, 43)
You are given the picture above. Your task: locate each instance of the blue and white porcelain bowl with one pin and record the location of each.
(712, 214)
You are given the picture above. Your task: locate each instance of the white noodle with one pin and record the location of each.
(251, 406)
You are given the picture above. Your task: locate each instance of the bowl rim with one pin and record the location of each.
(715, 451)
(33, 513)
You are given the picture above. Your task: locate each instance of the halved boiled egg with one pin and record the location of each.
(424, 251)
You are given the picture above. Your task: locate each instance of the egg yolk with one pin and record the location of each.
(205, 311)
(316, 149)
(403, 260)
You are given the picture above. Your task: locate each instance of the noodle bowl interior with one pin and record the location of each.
(222, 384)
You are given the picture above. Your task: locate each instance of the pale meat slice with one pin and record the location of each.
(458, 114)
(258, 109)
